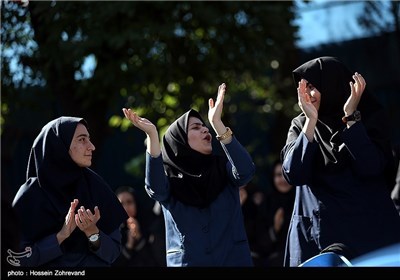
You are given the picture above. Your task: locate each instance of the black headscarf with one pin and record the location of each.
(332, 79)
(54, 180)
(196, 179)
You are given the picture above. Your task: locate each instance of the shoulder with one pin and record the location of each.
(28, 191)
(299, 120)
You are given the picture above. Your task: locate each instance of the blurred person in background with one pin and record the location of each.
(136, 249)
(274, 221)
(251, 199)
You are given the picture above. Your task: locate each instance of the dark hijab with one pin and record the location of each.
(196, 179)
(332, 79)
(54, 180)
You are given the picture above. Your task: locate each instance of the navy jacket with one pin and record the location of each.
(211, 236)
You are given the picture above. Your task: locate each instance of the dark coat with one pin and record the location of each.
(341, 185)
(199, 195)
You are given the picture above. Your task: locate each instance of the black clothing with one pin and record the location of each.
(340, 177)
(141, 255)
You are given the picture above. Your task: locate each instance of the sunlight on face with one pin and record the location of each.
(199, 137)
(314, 94)
(81, 148)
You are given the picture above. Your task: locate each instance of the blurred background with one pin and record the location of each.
(91, 58)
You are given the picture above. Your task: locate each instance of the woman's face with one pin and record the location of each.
(199, 137)
(280, 182)
(314, 94)
(81, 148)
(128, 202)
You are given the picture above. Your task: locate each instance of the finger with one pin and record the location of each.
(222, 88)
(73, 205)
(125, 111)
(210, 103)
(220, 98)
(97, 212)
(362, 81)
(221, 91)
(84, 219)
(357, 79)
(361, 78)
(352, 88)
(89, 214)
(77, 220)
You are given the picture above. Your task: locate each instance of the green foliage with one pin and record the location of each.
(159, 58)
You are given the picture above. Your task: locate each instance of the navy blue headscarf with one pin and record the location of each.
(53, 180)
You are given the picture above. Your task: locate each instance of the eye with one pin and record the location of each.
(197, 126)
(83, 139)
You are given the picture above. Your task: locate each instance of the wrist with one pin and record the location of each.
(227, 134)
(61, 237)
(92, 231)
(94, 241)
(353, 117)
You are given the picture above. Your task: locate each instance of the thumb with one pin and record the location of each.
(96, 212)
(210, 103)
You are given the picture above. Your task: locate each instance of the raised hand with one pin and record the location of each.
(134, 232)
(69, 224)
(357, 88)
(142, 123)
(215, 108)
(153, 144)
(86, 220)
(304, 101)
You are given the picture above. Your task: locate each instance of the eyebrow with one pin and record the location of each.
(82, 135)
(196, 123)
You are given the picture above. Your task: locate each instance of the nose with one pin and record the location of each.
(205, 129)
(91, 146)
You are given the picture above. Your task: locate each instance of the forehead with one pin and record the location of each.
(81, 130)
(126, 196)
(194, 120)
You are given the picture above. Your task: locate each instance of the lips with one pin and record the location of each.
(208, 137)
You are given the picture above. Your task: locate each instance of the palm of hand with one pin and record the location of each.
(142, 123)
(145, 125)
(304, 102)
(356, 90)
(215, 109)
